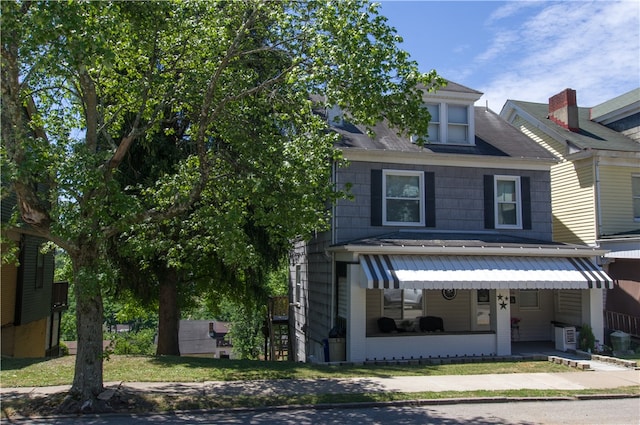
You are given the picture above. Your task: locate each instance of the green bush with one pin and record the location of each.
(587, 340)
(64, 350)
(137, 343)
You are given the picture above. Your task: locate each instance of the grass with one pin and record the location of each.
(59, 371)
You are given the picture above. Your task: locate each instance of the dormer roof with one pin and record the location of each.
(453, 91)
(493, 137)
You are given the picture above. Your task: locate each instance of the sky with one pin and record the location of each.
(524, 50)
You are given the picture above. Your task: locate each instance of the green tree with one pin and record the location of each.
(74, 72)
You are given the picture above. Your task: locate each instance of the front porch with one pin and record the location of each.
(436, 345)
(477, 322)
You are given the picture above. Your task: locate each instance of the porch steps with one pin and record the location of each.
(278, 343)
(578, 364)
(588, 361)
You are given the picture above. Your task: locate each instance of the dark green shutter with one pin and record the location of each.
(489, 205)
(376, 197)
(525, 192)
(430, 199)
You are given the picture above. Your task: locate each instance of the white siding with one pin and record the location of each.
(572, 191)
(455, 313)
(573, 202)
(616, 199)
(535, 324)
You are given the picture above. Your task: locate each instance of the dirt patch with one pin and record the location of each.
(120, 400)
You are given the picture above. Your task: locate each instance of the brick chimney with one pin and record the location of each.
(563, 110)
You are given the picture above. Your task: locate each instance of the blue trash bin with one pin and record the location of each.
(325, 343)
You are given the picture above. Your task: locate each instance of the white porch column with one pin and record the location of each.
(501, 321)
(357, 315)
(592, 307)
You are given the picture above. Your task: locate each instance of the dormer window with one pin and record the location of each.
(458, 124)
(450, 124)
(434, 124)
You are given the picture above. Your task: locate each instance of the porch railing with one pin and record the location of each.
(622, 322)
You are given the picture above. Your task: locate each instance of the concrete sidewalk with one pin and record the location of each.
(610, 379)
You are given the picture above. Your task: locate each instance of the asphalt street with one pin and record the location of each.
(566, 412)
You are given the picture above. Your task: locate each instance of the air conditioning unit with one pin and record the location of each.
(565, 337)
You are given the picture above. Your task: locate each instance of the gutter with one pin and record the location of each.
(597, 198)
(476, 250)
(432, 158)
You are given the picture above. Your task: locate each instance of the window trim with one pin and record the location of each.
(518, 202)
(438, 123)
(442, 138)
(421, 197)
(298, 289)
(465, 125)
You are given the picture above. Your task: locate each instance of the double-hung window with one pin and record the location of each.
(508, 206)
(403, 198)
(434, 124)
(507, 202)
(457, 124)
(450, 124)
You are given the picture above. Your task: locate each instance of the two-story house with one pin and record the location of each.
(595, 185)
(32, 303)
(442, 250)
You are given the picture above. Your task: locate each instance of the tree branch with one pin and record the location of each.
(90, 101)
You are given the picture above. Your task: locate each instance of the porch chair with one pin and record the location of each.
(431, 324)
(387, 325)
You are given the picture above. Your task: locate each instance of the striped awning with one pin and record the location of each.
(481, 272)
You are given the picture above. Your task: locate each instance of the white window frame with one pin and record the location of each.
(465, 126)
(436, 138)
(635, 197)
(517, 203)
(442, 138)
(421, 197)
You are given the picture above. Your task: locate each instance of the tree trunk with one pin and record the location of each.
(88, 378)
(168, 314)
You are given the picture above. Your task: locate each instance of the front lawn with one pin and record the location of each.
(59, 371)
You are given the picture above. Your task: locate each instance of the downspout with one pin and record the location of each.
(599, 331)
(334, 178)
(331, 255)
(598, 201)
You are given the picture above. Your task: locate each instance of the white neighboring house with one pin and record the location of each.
(204, 338)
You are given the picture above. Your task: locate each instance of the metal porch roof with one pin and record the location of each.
(481, 272)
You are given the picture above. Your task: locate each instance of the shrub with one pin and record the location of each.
(587, 340)
(64, 350)
(138, 343)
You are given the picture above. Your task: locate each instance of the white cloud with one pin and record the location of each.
(592, 47)
(509, 9)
